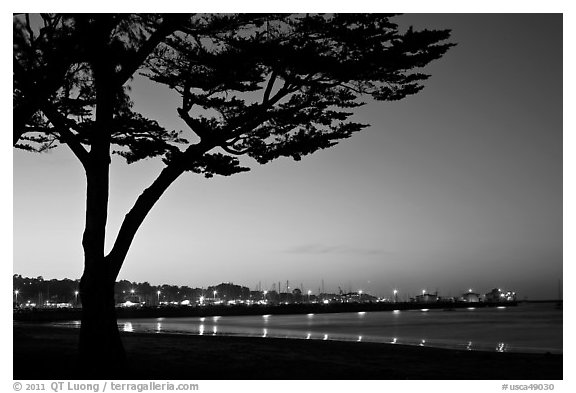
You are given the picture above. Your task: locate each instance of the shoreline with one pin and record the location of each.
(187, 357)
(407, 343)
(47, 315)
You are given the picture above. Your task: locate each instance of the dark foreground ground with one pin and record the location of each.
(50, 353)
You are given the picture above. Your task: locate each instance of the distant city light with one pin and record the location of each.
(229, 297)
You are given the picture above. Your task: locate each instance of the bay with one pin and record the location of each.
(527, 328)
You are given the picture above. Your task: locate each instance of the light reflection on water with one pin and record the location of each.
(526, 328)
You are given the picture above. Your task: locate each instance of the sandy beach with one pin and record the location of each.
(42, 352)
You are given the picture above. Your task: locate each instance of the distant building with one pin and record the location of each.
(426, 298)
(272, 297)
(471, 297)
(286, 298)
(497, 295)
(356, 297)
(297, 295)
(128, 303)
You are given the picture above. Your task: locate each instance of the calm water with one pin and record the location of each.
(526, 328)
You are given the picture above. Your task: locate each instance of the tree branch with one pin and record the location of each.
(269, 87)
(35, 94)
(29, 29)
(56, 118)
(228, 149)
(167, 27)
(255, 117)
(146, 202)
(196, 126)
(67, 136)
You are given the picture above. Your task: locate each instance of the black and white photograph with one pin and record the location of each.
(260, 196)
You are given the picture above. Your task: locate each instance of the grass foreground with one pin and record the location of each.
(43, 352)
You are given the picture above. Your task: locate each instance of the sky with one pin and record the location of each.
(456, 188)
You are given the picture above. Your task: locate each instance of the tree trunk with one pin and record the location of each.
(101, 350)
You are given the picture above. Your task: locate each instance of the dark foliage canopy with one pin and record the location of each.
(265, 85)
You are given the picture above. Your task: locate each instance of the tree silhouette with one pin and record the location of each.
(263, 86)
